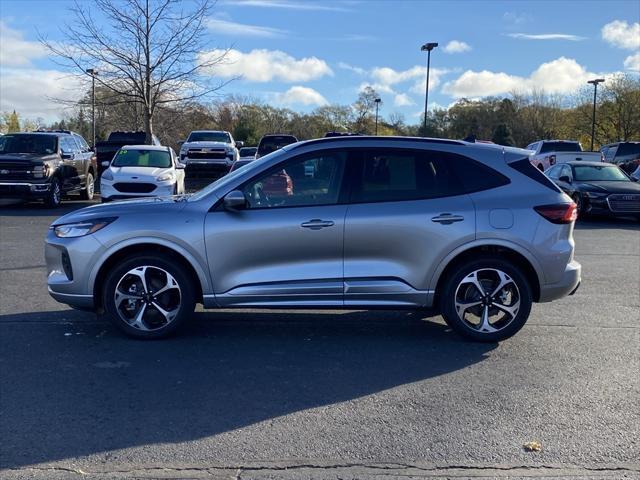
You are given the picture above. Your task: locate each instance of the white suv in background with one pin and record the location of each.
(209, 151)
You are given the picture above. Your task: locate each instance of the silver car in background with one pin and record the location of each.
(473, 231)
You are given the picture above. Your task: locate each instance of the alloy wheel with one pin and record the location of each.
(487, 300)
(147, 298)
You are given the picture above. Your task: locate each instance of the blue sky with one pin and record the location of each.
(303, 54)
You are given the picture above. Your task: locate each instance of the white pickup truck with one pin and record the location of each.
(546, 153)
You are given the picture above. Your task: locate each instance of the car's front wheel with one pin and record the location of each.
(54, 197)
(148, 296)
(486, 300)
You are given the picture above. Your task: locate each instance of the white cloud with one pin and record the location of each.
(547, 36)
(286, 4)
(227, 27)
(402, 100)
(351, 68)
(563, 75)
(516, 18)
(299, 95)
(456, 46)
(15, 51)
(31, 92)
(267, 65)
(632, 62)
(622, 35)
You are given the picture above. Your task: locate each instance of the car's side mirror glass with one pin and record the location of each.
(565, 179)
(239, 144)
(105, 164)
(234, 201)
(66, 156)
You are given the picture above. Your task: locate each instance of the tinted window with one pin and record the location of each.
(142, 158)
(475, 176)
(625, 149)
(275, 142)
(248, 151)
(304, 181)
(25, 143)
(566, 171)
(560, 147)
(131, 138)
(525, 167)
(209, 137)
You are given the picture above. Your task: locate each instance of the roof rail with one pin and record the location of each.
(359, 138)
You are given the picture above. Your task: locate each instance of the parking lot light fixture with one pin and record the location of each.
(93, 72)
(377, 100)
(595, 83)
(427, 47)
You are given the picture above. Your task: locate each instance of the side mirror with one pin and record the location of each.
(180, 166)
(234, 201)
(239, 144)
(565, 179)
(180, 142)
(66, 156)
(105, 164)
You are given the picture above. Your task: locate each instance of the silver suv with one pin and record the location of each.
(473, 231)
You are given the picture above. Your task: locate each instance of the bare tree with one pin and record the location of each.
(150, 52)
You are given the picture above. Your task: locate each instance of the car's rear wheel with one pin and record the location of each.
(54, 198)
(577, 198)
(148, 296)
(486, 300)
(88, 191)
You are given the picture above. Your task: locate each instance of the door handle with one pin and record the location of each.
(317, 224)
(447, 218)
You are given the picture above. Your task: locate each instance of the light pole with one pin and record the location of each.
(93, 72)
(377, 100)
(427, 47)
(593, 118)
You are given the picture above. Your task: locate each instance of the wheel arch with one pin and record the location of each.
(146, 247)
(513, 253)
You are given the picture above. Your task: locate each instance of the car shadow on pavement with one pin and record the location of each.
(32, 209)
(78, 387)
(602, 223)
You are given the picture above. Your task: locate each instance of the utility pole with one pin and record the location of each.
(377, 100)
(93, 72)
(427, 47)
(595, 83)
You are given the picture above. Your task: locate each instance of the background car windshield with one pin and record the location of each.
(38, 144)
(142, 158)
(589, 173)
(272, 144)
(560, 147)
(209, 137)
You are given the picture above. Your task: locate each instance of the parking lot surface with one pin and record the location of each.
(319, 394)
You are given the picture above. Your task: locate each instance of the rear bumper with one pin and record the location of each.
(24, 190)
(566, 286)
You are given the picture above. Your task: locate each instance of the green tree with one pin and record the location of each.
(502, 135)
(13, 122)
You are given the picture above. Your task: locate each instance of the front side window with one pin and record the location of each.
(304, 181)
(554, 172)
(68, 145)
(142, 158)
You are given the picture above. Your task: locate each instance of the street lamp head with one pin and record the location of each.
(377, 100)
(596, 81)
(427, 47)
(91, 71)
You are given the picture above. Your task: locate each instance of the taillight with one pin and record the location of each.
(560, 213)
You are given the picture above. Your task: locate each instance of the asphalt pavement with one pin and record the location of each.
(320, 394)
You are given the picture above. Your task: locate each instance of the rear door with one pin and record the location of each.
(407, 211)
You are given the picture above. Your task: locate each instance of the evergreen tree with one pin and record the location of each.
(13, 123)
(502, 135)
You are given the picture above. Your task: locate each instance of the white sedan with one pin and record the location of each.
(142, 171)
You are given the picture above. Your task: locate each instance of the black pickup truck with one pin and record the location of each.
(107, 149)
(46, 166)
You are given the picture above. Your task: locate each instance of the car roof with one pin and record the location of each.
(146, 147)
(591, 164)
(619, 143)
(209, 131)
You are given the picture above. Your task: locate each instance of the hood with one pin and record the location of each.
(148, 205)
(206, 145)
(35, 158)
(121, 174)
(610, 187)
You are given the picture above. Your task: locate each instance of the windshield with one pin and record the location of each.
(560, 147)
(271, 144)
(209, 137)
(142, 158)
(248, 151)
(230, 177)
(592, 173)
(38, 144)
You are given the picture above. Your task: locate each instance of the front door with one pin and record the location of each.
(286, 247)
(407, 212)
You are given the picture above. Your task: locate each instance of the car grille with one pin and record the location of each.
(15, 171)
(624, 203)
(207, 153)
(129, 187)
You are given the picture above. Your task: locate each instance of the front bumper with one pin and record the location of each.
(199, 167)
(24, 190)
(108, 192)
(566, 286)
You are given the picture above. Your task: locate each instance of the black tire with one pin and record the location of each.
(158, 330)
(455, 279)
(577, 198)
(87, 192)
(54, 197)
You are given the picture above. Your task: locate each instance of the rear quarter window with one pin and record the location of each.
(525, 167)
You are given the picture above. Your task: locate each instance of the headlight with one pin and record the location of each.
(41, 171)
(80, 229)
(595, 194)
(167, 177)
(107, 175)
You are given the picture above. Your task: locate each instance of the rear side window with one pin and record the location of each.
(473, 175)
(625, 149)
(525, 167)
